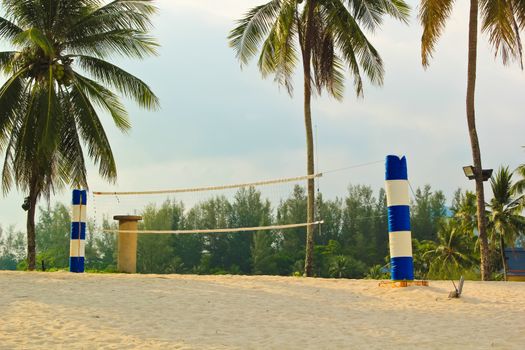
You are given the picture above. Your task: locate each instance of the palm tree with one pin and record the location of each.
(505, 221)
(58, 79)
(519, 186)
(328, 36)
(502, 21)
(340, 266)
(453, 249)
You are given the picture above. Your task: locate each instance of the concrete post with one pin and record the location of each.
(127, 243)
(398, 202)
(77, 243)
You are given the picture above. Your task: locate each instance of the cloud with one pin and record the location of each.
(223, 10)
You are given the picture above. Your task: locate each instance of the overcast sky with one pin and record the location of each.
(221, 125)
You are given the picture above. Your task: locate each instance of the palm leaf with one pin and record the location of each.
(278, 52)
(500, 24)
(433, 15)
(354, 46)
(116, 15)
(251, 30)
(92, 132)
(8, 30)
(35, 36)
(125, 42)
(118, 78)
(370, 13)
(104, 99)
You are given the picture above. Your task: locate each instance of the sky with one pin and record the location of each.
(220, 124)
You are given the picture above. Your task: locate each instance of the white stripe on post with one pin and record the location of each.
(79, 213)
(77, 248)
(400, 244)
(397, 192)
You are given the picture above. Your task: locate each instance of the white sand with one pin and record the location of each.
(62, 310)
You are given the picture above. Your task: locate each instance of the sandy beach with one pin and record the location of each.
(117, 311)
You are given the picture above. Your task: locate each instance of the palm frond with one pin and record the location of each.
(116, 15)
(328, 67)
(257, 23)
(92, 132)
(125, 42)
(278, 52)
(9, 30)
(499, 22)
(370, 13)
(71, 161)
(104, 99)
(519, 186)
(26, 13)
(35, 36)
(354, 46)
(433, 15)
(518, 7)
(121, 80)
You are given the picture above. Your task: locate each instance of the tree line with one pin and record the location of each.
(60, 78)
(352, 242)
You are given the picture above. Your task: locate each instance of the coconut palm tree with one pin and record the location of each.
(327, 37)
(502, 21)
(58, 81)
(519, 186)
(452, 251)
(506, 222)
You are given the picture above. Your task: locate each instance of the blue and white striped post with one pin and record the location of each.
(77, 244)
(401, 260)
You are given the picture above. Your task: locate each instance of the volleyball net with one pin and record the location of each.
(232, 208)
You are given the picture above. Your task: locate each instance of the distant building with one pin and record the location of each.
(516, 264)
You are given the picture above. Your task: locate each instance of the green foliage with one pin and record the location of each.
(347, 248)
(501, 21)
(377, 272)
(426, 210)
(53, 236)
(58, 82)
(12, 247)
(506, 222)
(328, 34)
(342, 266)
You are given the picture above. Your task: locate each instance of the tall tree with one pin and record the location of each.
(506, 220)
(427, 210)
(502, 21)
(58, 78)
(329, 36)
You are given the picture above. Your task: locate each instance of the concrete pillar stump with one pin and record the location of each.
(127, 243)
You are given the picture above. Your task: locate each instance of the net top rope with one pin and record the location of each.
(212, 188)
(218, 230)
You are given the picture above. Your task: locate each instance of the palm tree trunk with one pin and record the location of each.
(31, 238)
(476, 152)
(503, 257)
(307, 55)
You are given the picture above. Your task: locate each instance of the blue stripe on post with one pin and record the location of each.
(396, 168)
(79, 197)
(78, 228)
(398, 218)
(76, 264)
(402, 268)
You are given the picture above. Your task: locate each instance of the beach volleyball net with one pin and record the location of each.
(214, 209)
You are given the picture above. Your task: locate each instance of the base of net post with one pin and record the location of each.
(403, 284)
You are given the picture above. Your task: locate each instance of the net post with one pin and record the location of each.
(398, 202)
(77, 243)
(127, 242)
